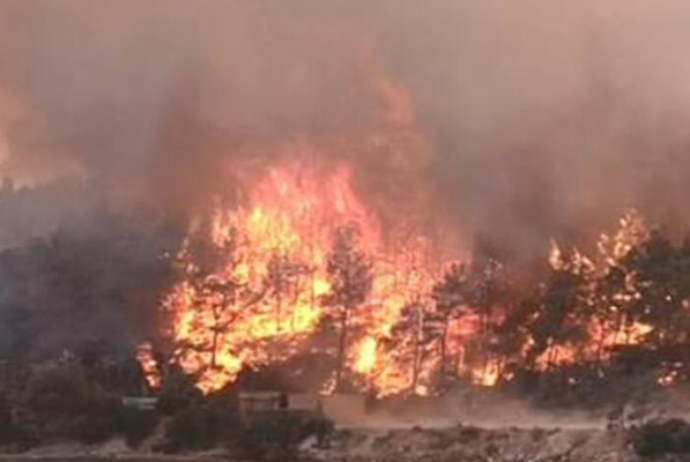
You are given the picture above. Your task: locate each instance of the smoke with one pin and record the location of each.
(79, 288)
(550, 118)
(544, 118)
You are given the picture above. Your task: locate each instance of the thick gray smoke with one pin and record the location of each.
(546, 118)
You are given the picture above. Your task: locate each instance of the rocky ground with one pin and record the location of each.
(535, 438)
(472, 444)
(450, 444)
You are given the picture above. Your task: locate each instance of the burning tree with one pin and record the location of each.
(413, 339)
(283, 282)
(452, 298)
(616, 288)
(662, 276)
(303, 251)
(488, 292)
(561, 326)
(475, 293)
(351, 280)
(300, 249)
(219, 296)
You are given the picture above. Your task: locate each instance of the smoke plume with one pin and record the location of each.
(542, 118)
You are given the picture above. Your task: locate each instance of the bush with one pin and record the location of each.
(55, 402)
(101, 420)
(59, 402)
(192, 429)
(279, 432)
(8, 431)
(204, 425)
(661, 438)
(178, 393)
(136, 426)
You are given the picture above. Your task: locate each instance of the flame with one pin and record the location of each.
(263, 301)
(671, 377)
(149, 366)
(255, 275)
(632, 231)
(612, 250)
(574, 261)
(365, 356)
(487, 376)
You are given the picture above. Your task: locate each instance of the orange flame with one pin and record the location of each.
(612, 249)
(262, 302)
(149, 366)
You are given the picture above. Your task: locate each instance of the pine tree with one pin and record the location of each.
(350, 276)
(662, 274)
(413, 337)
(488, 290)
(218, 289)
(451, 296)
(281, 281)
(565, 307)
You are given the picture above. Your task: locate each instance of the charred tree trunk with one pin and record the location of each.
(444, 352)
(342, 344)
(214, 349)
(551, 355)
(485, 339)
(416, 365)
(620, 323)
(601, 344)
(279, 309)
(215, 338)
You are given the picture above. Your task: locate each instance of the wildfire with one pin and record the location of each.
(261, 281)
(262, 300)
(260, 278)
(303, 252)
(612, 250)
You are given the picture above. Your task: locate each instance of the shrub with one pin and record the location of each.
(279, 433)
(661, 438)
(204, 424)
(8, 431)
(178, 393)
(101, 420)
(193, 428)
(54, 402)
(59, 402)
(136, 425)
